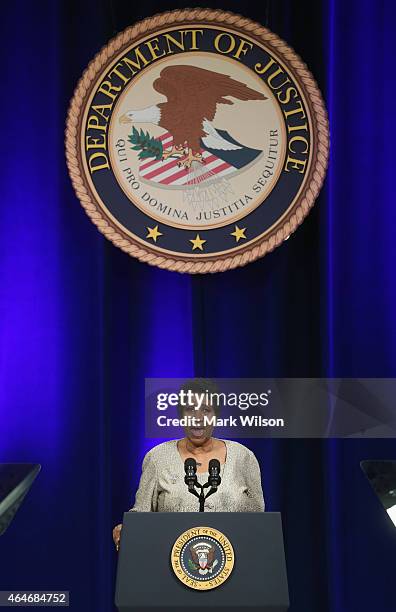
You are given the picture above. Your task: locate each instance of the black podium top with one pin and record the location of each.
(146, 580)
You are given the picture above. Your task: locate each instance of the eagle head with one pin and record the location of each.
(151, 114)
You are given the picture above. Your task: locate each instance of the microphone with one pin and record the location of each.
(190, 468)
(214, 473)
(191, 480)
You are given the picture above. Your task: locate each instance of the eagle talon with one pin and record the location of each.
(175, 151)
(190, 158)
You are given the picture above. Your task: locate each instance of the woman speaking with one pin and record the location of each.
(162, 487)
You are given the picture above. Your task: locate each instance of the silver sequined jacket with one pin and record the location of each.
(162, 487)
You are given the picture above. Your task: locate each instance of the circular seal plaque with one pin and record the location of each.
(197, 140)
(202, 558)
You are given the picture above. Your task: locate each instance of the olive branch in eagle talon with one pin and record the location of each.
(192, 95)
(145, 144)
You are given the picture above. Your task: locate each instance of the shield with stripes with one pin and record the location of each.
(216, 165)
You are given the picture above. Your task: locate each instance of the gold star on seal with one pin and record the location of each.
(153, 233)
(197, 243)
(239, 233)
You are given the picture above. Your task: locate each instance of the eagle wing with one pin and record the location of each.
(211, 556)
(194, 556)
(192, 95)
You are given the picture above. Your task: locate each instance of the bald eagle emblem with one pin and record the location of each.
(203, 558)
(191, 149)
(197, 147)
(202, 561)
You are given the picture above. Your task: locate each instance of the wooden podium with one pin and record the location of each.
(146, 580)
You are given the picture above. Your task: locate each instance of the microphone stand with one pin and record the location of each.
(191, 480)
(201, 495)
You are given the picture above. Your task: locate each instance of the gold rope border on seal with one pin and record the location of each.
(320, 144)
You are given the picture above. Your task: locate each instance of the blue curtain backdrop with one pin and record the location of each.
(82, 324)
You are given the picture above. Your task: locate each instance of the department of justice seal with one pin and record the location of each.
(197, 140)
(202, 558)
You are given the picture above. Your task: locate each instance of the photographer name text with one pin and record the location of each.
(213, 421)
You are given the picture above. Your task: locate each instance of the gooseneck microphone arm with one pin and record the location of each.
(191, 480)
(214, 479)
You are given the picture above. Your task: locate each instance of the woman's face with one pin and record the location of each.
(202, 428)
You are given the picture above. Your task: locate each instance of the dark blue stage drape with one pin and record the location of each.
(82, 324)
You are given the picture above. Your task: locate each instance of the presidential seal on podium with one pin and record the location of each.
(202, 558)
(197, 141)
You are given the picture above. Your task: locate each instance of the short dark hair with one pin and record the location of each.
(200, 385)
